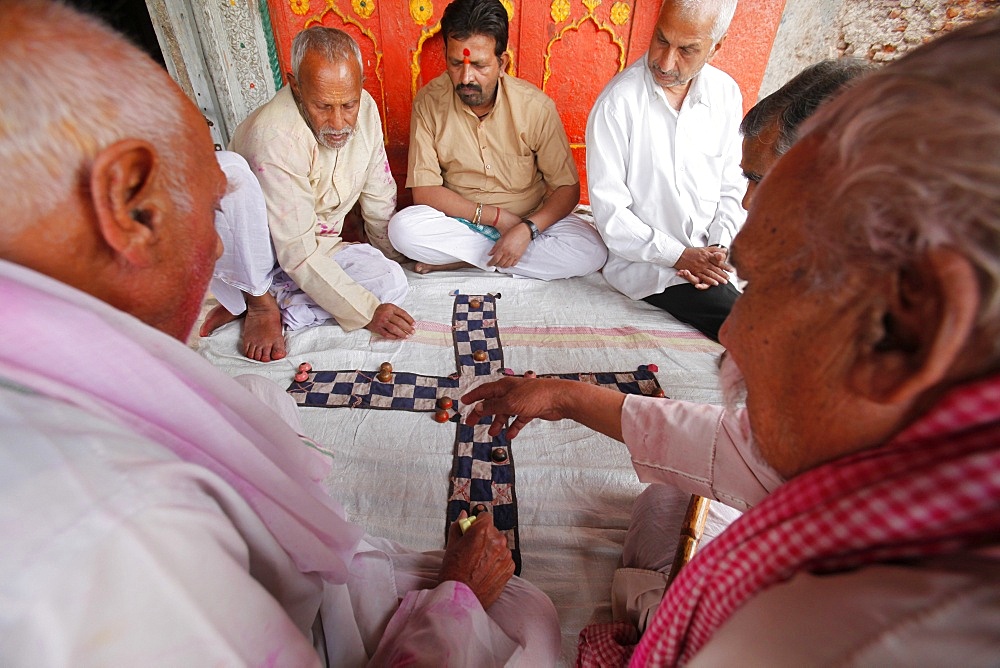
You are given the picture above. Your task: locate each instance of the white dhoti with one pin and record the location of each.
(649, 549)
(249, 264)
(571, 247)
(365, 265)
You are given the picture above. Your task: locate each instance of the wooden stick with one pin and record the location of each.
(691, 532)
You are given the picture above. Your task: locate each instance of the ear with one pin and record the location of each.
(129, 205)
(293, 84)
(920, 333)
(504, 61)
(716, 47)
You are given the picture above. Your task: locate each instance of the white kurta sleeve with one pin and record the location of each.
(700, 448)
(730, 215)
(151, 567)
(378, 192)
(609, 132)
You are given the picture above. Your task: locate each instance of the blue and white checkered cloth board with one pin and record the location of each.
(476, 479)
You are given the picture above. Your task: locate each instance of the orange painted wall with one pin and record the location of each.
(569, 48)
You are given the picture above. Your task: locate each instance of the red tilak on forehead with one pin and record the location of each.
(466, 53)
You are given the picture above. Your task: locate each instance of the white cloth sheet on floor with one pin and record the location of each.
(574, 488)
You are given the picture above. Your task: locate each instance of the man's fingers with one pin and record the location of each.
(406, 317)
(484, 391)
(516, 426)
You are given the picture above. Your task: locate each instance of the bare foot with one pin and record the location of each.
(215, 319)
(424, 268)
(262, 337)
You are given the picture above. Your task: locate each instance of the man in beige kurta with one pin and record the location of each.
(490, 166)
(317, 151)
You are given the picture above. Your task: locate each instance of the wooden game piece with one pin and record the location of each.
(445, 403)
(301, 377)
(530, 374)
(465, 523)
(658, 392)
(442, 416)
(478, 508)
(499, 455)
(306, 366)
(480, 355)
(475, 303)
(385, 372)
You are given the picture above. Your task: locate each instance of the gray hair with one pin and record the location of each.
(335, 45)
(910, 160)
(798, 99)
(723, 10)
(71, 87)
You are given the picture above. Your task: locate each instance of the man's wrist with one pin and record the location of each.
(532, 227)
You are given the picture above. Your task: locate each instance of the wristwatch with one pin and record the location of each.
(532, 227)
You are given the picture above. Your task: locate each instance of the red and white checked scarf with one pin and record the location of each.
(932, 490)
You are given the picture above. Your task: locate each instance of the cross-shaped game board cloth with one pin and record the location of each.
(482, 471)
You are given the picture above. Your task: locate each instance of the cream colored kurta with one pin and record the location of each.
(310, 189)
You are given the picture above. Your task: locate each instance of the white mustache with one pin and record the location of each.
(734, 388)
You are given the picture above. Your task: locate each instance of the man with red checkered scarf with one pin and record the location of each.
(867, 338)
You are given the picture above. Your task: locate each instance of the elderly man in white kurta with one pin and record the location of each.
(663, 156)
(317, 150)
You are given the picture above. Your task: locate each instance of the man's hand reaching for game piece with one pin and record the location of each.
(525, 399)
(391, 322)
(479, 558)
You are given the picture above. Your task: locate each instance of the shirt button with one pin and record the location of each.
(487, 166)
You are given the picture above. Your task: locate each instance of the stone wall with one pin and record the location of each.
(876, 30)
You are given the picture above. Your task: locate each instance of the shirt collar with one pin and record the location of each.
(695, 95)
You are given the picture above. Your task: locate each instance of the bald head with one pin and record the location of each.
(98, 148)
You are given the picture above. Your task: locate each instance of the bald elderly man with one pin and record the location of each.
(865, 347)
(154, 511)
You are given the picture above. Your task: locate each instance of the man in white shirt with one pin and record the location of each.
(663, 153)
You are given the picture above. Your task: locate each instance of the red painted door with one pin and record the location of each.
(568, 48)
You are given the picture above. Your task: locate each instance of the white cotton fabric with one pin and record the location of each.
(707, 450)
(570, 247)
(155, 513)
(363, 264)
(248, 263)
(662, 180)
(575, 487)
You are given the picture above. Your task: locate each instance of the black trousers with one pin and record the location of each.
(705, 310)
